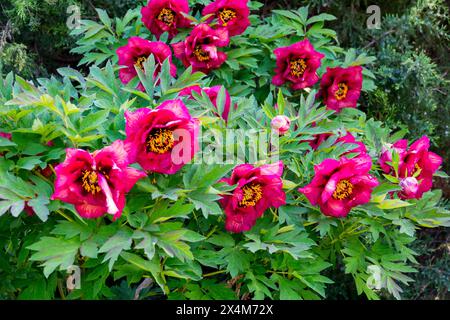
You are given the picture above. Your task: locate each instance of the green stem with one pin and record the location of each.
(214, 273)
(64, 215)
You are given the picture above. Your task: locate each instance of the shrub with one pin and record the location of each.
(207, 229)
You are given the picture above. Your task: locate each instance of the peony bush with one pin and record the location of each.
(205, 152)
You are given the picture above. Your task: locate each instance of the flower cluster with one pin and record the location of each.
(164, 139)
(415, 166)
(298, 64)
(200, 49)
(96, 183)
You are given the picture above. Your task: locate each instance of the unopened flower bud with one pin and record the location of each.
(281, 124)
(409, 185)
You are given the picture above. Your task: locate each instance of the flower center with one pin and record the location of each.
(201, 54)
(298, 67)
(342, 91)
(167, 16)
(225, 15)
(417, 169)
(89, 182)
(344, 189)
(252, 194)
(160, 141)
(140, 62)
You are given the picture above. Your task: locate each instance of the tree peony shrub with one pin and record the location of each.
(260, 179)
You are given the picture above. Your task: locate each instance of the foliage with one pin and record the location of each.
(23, 22)
(172, 230)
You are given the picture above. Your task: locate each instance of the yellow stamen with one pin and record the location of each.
(89, 180)
(342, 91)
(252, 194)
(225, 15)
(160, 141)
(140, 62)
(344, 189)
(103, 172)
(201, 54)
(167, 16)
(298, 67)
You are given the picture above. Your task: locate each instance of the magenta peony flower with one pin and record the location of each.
(280, 124)
(230, 14)
(200, 48)
(164, 139)
(258, 188)
(136, 52)
(6, 135)
(340, 87)
(96, 183)
(297, 64)
(161, 16)
(416, 162)
(212, 93)
(340, 185)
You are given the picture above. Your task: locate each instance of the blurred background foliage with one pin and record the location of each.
(412, 50)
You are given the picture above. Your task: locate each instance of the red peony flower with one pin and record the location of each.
(161, 16)
(340, 87)
(136, 52)
(258, 188)
(297, 64)
(163, 139)
(96, 183)
(230, 14)
(212, 93)
(415, 162)
(340, 185)
(200, 48)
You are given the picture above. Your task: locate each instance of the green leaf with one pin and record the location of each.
(151, 266)
(406, 226)
(28, 163)
(164, 211)
(288, 289)
(321, 17)
(222, 240)
(148, 243)
(237, 261)
(171, 243)
(393, 204)
(54, 252)
(70, 229)
(93, 121)
(115, 245)
(40, 208)
(89, 249)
